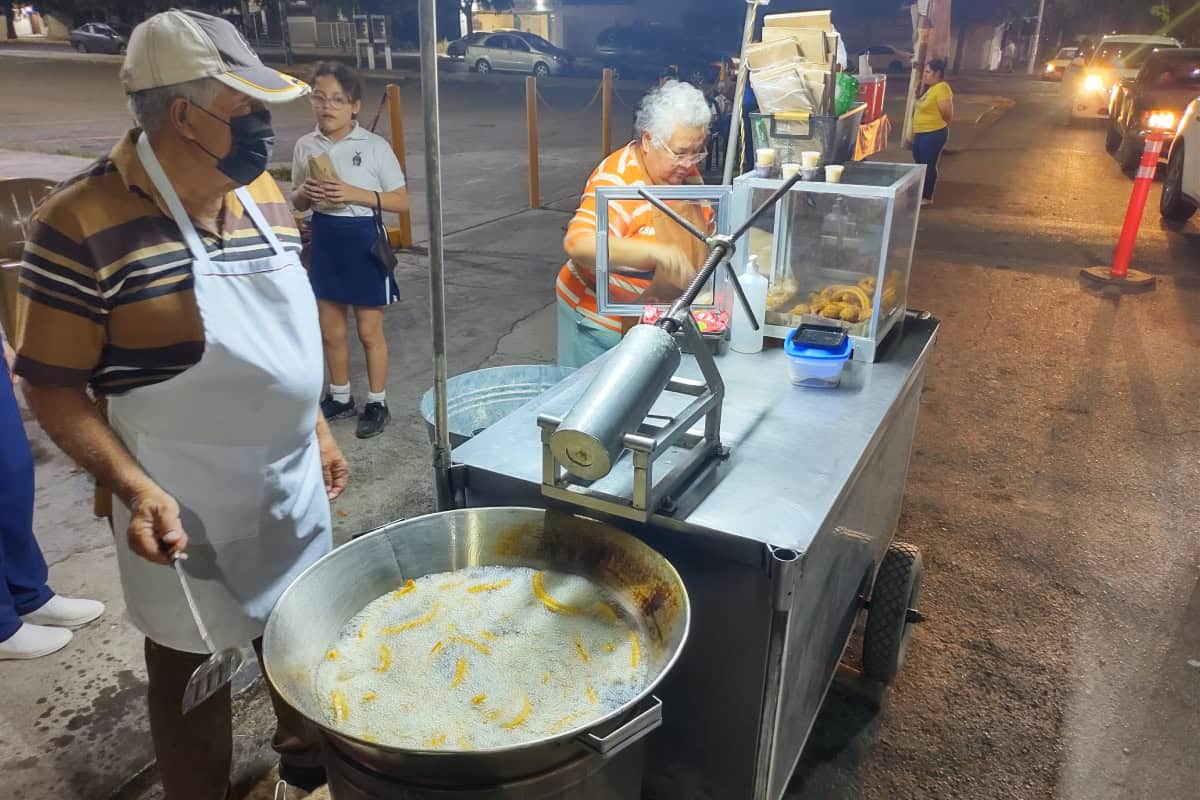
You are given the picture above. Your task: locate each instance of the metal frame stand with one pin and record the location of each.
(649, 443)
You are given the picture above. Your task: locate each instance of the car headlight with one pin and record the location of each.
(1093, 83)
(1161, 120)
(1049, 68)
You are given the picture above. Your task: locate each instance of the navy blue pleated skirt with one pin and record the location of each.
(343, 268)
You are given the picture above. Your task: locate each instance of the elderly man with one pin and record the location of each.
(166, 279)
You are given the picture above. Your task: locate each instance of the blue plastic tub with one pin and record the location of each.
(814, 366)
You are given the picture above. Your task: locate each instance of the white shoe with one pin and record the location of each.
(65, 612)
(34, 641)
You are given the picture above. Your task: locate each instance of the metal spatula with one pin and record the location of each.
(218, 670)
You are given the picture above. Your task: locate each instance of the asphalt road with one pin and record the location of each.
(1052, 487)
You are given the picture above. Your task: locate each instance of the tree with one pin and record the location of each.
(468, 9)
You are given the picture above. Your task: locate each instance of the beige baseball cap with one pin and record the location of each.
(178, 46)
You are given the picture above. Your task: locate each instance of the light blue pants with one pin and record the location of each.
(579, 339)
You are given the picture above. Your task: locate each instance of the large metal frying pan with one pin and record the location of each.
(314, 609)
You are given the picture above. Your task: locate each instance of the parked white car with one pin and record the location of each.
(885, 58)
(1181, 184)
(1117, 58)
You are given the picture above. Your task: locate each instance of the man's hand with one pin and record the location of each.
(155, 532)
(333, 464)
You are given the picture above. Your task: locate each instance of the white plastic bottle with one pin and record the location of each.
(743, 337)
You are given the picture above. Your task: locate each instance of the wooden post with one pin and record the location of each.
(396, 117)
(606, 92)
(531, 122)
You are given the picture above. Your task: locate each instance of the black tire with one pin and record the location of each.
(81, 47)
(897, 589)
(895, 67)
(482, 66)
(541, 70)
(1129, 154)
(1174, 205)
(1112, 137)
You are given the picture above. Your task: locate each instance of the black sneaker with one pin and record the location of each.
(373, 420)
(332, 409)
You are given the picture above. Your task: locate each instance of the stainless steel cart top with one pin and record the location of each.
(794, 451)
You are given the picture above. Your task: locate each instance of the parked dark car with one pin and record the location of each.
(97, 37)
(1167, 82)
(648, 51)
(458, 48)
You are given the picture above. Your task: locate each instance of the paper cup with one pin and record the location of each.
(788, 170)
(810, 159)
(833, 173)
(765, 157)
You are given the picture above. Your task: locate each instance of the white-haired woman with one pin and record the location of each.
(651, 259)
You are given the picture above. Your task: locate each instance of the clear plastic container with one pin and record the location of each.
(816, 367)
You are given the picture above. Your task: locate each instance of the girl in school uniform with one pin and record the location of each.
(344, 272)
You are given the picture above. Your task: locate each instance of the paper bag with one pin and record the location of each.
(320, 168)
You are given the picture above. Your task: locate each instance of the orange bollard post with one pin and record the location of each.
(531, 122)
(1118, 273)
(396, 119)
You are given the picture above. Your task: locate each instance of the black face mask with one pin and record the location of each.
(253, 139)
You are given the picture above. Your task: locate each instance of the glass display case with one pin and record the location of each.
(625, 290)
(836, 253)
(833, 253)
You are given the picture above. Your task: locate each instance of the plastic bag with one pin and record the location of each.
(847, 92)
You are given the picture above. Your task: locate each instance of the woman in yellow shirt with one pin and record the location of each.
(931, 124)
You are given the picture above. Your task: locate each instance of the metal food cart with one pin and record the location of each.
(777, 506)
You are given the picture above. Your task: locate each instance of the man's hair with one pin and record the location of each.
(938, 65)
(346, 77)
(150, 107)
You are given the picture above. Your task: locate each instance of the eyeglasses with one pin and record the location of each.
(334, 103)
(683, 159)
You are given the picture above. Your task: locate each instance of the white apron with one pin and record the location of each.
(233, 439)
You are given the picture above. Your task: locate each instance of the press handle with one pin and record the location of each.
(627, 734)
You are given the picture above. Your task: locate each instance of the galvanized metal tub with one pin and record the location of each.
(317, 605)
(477, 400)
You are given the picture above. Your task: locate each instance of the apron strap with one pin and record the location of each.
(256, 214)
(178, 212)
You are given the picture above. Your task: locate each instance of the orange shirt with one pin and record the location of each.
(627, 219)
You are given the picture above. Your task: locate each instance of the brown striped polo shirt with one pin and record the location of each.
(106, 291)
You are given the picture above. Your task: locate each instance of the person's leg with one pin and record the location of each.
(296, 740)
(375, 415)
(334, 317)
(369, 322)
(935, 144)
(194, 753)
(924, 152)
(22, 567)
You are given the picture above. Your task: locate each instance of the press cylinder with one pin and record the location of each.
(590, 438)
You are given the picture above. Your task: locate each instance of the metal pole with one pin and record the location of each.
(396, 118)
(283, 32)
(606, 92)
(427, 11)
(531, 123)
(918, 70)
(739, 94)
(1037, 37)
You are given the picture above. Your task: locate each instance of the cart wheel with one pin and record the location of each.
(892, 612)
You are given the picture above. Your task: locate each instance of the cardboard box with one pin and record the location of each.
(821, 20)
(762, 55)
(814, 45)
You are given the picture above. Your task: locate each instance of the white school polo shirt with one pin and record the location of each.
(361, 159)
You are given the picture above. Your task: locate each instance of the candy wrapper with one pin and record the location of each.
(709, 322)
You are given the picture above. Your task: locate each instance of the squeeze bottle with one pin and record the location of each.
(743, 337)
